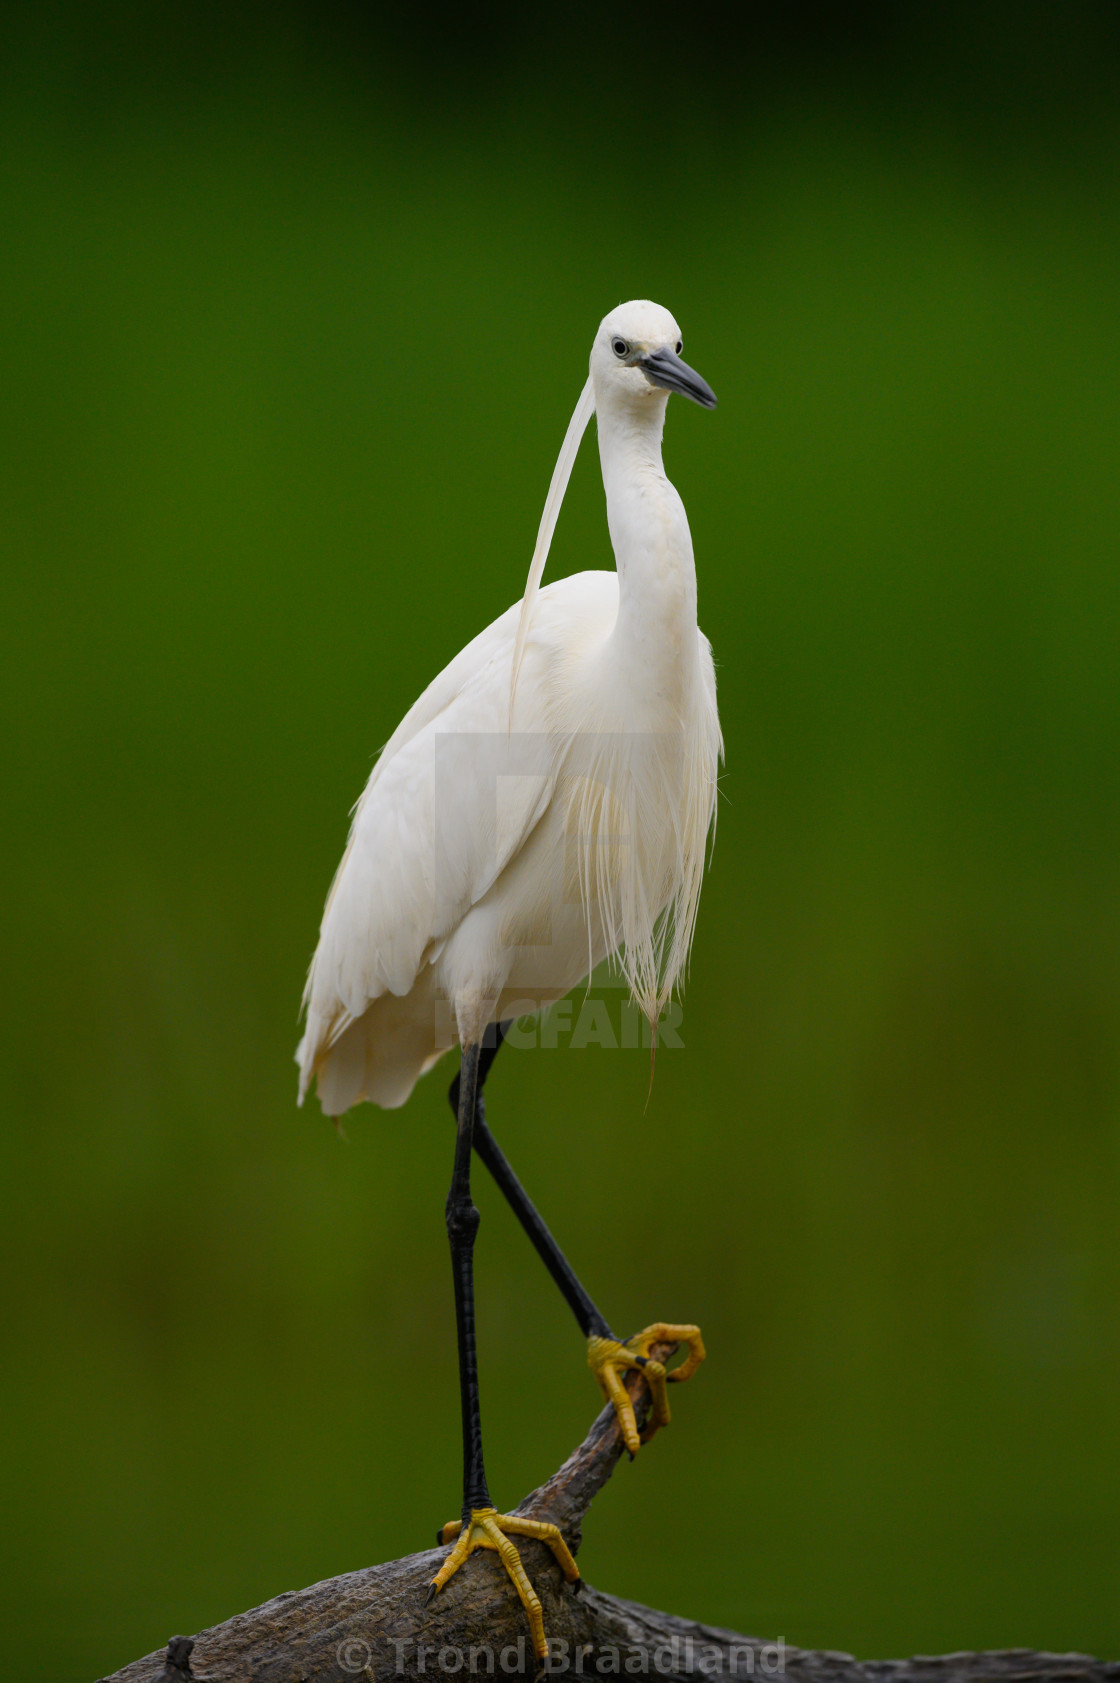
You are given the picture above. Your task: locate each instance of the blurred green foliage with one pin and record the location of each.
(287, 363)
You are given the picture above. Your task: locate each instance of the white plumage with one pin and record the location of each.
(546, 802)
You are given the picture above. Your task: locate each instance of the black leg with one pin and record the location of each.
(462, 1225)
(591, 1322)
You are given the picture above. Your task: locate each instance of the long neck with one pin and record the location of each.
(656, 627)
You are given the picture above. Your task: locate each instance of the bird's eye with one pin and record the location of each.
(620, 347)
(680, 346)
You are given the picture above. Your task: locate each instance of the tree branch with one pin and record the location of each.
(373, 1624)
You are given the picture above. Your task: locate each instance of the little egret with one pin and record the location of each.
(545, 805)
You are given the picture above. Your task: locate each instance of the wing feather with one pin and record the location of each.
(429, 835)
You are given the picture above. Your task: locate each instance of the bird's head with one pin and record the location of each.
(635, 363)
(637, 356)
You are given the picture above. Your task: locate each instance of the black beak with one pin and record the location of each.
(665, 368)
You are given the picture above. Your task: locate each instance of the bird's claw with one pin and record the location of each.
(609, 1359)
(488, 1529)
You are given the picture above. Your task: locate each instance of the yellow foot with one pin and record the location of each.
(609, 1360)
(488, 1529)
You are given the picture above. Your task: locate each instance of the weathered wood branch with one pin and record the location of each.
(373, 1624)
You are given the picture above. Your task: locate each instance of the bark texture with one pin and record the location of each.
(373, 1624)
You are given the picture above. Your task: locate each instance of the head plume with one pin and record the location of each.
(561, 474)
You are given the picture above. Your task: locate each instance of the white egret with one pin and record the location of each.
(544, 805)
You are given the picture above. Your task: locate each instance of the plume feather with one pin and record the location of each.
(561, 474)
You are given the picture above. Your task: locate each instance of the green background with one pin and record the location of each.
(293, 316)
